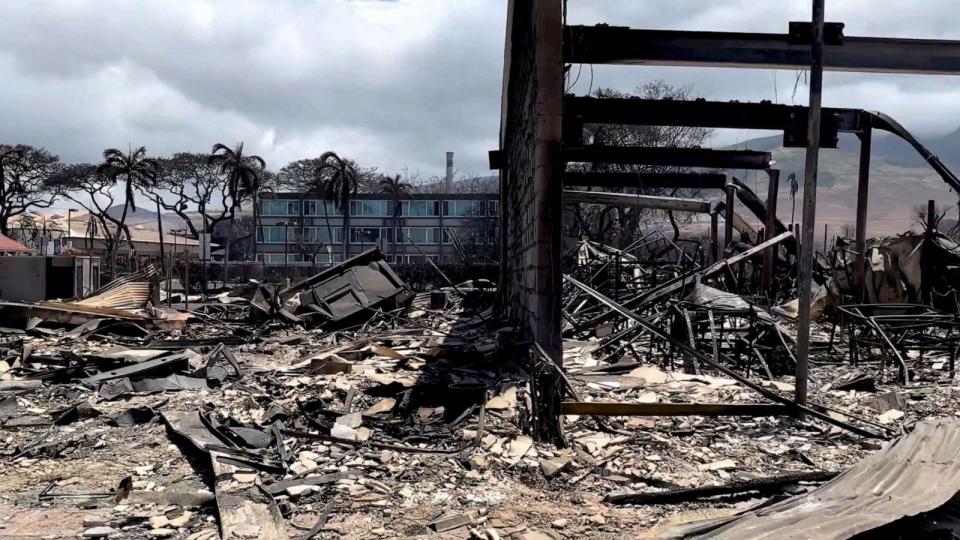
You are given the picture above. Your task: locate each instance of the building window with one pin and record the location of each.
(370, 208)
(316, 208)
(321, 235)
(371, 235)
(272, 235)
(467, 236)
(324, 258)
(493, 208)
(421, 235)
(270, 258)
(279, 207)
(421, 259)
(462, 208)
(420, 208)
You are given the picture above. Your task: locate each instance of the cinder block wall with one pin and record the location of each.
(531, 184)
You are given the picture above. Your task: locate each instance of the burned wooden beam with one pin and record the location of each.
(763, 487)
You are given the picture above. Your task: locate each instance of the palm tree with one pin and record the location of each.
(140, 173)
(244, 174)
(336, 180)
(397, 190)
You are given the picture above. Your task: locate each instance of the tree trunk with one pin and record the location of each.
(345, 204)
(326, 217)
(116, 246)
(163, 259)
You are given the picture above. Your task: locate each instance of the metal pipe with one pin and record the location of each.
(809, 203)
(714, 230)
(770, 257)
(863, 190)
(728, 216)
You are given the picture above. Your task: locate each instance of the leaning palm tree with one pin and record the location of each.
(336, 180)
(139, 173)
(244, 174)
(397, 191)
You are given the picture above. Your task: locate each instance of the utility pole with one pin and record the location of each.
(809, 202)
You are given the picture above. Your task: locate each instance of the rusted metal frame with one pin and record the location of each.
(904, 370)
(686, 318)
(629, 46)
(668, 157)
(644, 180)
(805, 273)
(681, 282)
(654, 330)
(763, 363)
(714, 337)
(594, 408)
(728, 217)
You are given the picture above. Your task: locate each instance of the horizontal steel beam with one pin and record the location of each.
(791, 119)
(593, 408)
(669, 157)
(637, 201)
(622, 45)
(645, 180)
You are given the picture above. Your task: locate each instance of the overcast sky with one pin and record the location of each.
(391, 84)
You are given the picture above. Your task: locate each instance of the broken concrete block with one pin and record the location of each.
(719, 465)
(650, 374)
(551, 467)
(343, 431)
(384, 405)
(298, 491)
(890, 416)
(180, 520)
(887, 401)
(98, 532)
(353, 420)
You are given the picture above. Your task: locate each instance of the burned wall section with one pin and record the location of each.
(531, 187)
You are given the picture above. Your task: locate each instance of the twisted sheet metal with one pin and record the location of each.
(917, 473)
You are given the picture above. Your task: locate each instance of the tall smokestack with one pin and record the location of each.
(449, 181)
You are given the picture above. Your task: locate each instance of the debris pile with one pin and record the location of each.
(353, 407)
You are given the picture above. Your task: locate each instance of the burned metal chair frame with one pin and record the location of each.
(897, 328)
(737, 334)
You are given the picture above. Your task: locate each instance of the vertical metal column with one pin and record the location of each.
(809, 202)
(728, 215)
(863, 190)
(770, 227)
(714, 241)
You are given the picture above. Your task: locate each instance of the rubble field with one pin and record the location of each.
(413, 416)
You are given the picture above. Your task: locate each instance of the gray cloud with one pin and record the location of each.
(392, 84)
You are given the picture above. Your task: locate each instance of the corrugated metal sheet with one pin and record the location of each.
(128, 292)
(917, 473)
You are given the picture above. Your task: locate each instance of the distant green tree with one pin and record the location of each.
(139, 172)
(336, 179)
(397, 190)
